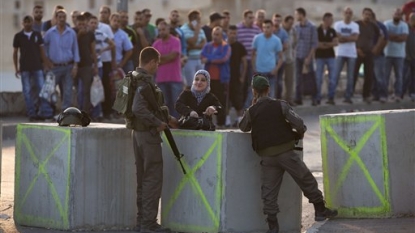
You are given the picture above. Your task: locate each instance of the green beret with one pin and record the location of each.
(260, 83)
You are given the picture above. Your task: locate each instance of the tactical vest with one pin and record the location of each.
(142, 80)
(269, 127)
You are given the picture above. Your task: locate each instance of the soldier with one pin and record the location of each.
(147, 125)
(275, 129)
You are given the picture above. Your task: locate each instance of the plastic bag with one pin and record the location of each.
(48, 91)
(97, 91)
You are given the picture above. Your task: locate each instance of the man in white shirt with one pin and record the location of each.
(347, 32)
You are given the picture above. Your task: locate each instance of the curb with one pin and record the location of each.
(315, 227)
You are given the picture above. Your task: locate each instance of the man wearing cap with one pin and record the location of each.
(275, 128)
(215, 21)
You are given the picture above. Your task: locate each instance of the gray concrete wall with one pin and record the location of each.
(223, 195)
(368, 162)
(74, 178)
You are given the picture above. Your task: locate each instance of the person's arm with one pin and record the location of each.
(15, 59)
(181, 105)
(279, 64)
(293, 119)
(46, 62)
(253, 60)
(169, 57)
(128, 51)
(142, 37)
(222, 56)
(94, 58)
(192, 41)
(245, 123)
(244, 65)
(314, 44)
(399, 38)
(75, 51)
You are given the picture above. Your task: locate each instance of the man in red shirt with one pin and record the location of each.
(408, 8)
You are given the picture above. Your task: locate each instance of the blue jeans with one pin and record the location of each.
(32, 82)
(409, 78)
(272, 83)
(85, 77)
(397, 64)
(171, 91)
(65, 81)
(331, 67)
(299, 77)
(380, 89)
(351, 61)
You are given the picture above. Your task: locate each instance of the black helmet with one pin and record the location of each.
(73, 116)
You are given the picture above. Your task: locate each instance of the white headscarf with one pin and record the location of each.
(201, 94)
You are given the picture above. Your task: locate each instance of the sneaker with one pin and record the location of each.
(349, 101)
(154, 228)
(331, 102)
(322, 212)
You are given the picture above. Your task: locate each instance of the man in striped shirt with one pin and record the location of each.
(246, 33)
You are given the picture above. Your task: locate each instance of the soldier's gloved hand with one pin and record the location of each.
(162, 127)
(194, 114)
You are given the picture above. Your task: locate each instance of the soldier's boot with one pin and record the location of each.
(154, 228)
(273, 225)
(322, 212)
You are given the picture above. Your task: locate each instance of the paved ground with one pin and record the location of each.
(312, 158)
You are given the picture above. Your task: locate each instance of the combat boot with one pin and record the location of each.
(154, 228)
(322, 212)
(273, 224)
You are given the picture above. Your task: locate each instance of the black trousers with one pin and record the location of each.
(106, 83)
(149, 165)
(367, 61)
(219, 90)
(272, 171)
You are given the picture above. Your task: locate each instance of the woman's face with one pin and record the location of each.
(200, 82)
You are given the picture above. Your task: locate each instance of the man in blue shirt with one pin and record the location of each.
(63, 53)
(380, 90)
(395, 50)
(267, 55)
(283, 36)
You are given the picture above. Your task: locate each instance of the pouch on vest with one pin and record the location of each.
(124, 97)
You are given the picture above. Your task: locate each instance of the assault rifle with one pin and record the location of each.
(149, 94)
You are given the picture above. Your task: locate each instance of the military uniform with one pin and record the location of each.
(147, 151)
(275, 128)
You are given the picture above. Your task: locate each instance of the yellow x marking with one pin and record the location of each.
(42, 170)
(190, 178)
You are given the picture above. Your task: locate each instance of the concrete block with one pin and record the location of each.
(12, 103)
(221, 191)
(368, 163)
(75, 178)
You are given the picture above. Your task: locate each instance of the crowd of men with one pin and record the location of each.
(288, 50)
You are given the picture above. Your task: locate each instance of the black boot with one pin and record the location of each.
(322, 212)
(273, 224)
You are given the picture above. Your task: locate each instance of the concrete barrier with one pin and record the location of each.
(75, 178)
(71, 178)
(369, 163)
(221, 190)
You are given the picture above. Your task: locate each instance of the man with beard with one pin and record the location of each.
(37, 16)
(395, 50)
(123, 46)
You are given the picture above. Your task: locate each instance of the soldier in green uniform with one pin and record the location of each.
(275, 128)
(148, 123)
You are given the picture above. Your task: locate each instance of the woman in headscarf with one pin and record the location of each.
(198, 101)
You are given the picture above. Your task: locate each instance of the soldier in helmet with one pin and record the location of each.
(275, 128)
